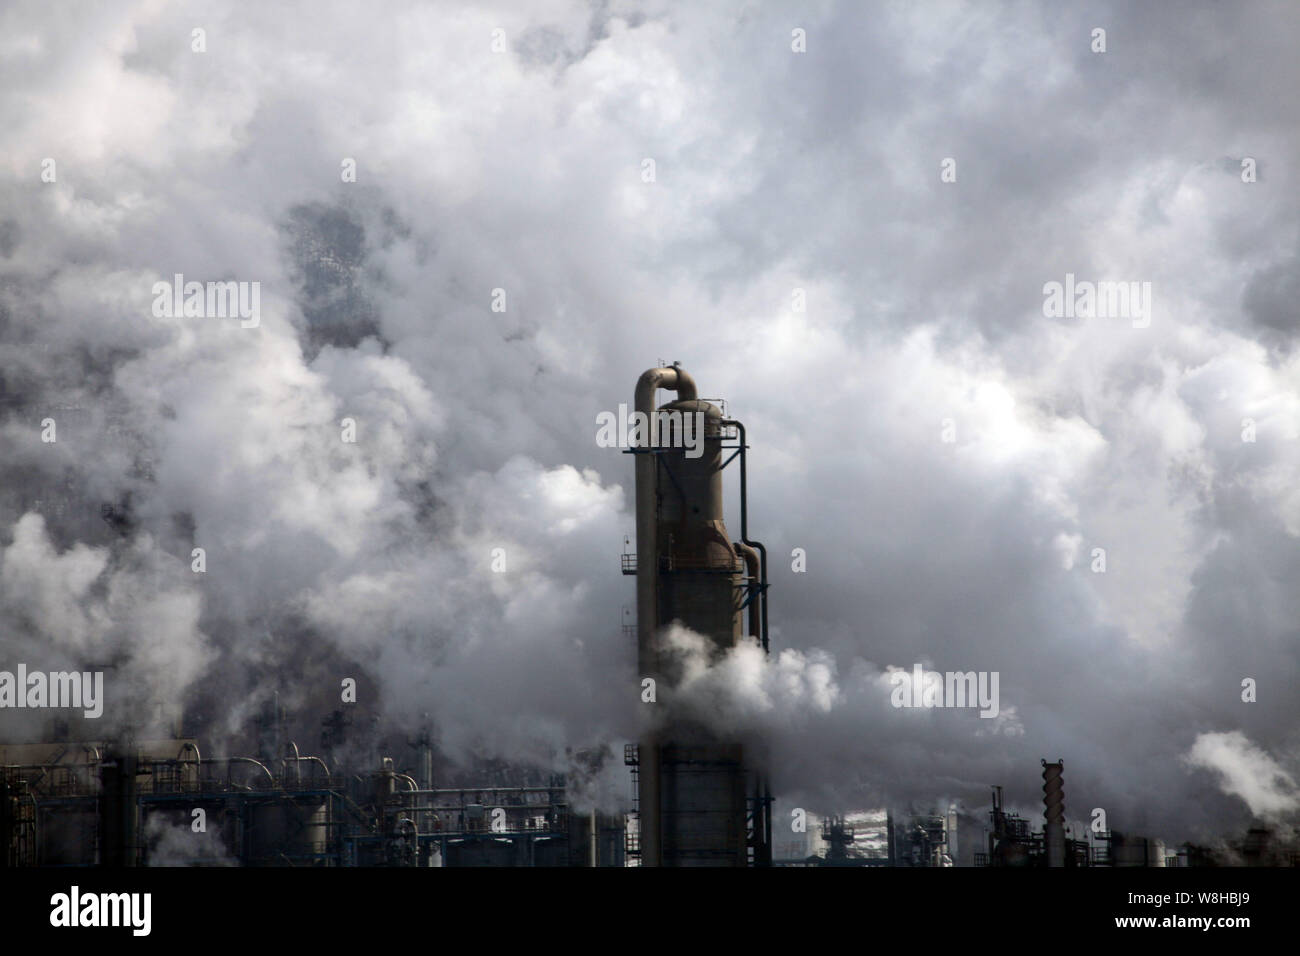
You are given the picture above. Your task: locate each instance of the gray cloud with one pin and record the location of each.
(776, 171)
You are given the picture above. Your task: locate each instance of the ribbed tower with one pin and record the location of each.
(1054, 812)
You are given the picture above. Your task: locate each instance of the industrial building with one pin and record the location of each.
(1012, 842)
(882, 838)
(885, 838)
(699, 797)
(162, 802)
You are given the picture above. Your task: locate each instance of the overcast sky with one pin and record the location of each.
(776, 174)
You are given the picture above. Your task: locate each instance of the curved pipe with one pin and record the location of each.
(744, 527)
(256, 763)
(311, 759)
(229, 760)
(409, 779)
(671, 377)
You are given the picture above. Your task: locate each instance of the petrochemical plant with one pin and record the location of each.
(698, 797)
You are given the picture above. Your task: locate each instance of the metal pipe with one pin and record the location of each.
(310, 758)
(119, 808)
(766, 798)
(744, 526)
(229, 760)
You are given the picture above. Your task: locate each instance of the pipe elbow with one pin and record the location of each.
(670, 377)
(750, 557)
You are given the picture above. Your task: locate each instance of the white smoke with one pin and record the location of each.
(830, 737)
(176, 844)
(1245, 770)
(475, 428)
(131, 612)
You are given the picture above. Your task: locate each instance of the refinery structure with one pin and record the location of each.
(701, 801)
(697, 796)
(83, 807)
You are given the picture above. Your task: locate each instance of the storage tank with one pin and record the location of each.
(1130, 851)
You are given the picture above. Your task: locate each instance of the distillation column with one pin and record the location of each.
(691, 782)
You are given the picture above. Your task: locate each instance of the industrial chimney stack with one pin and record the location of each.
(1054, 813)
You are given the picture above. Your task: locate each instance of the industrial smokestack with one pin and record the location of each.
(119, 811)
(1054, 813)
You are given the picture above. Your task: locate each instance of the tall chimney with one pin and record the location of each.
(118, 808)
(1054, 812)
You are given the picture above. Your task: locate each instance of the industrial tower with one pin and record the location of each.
(700, 801)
